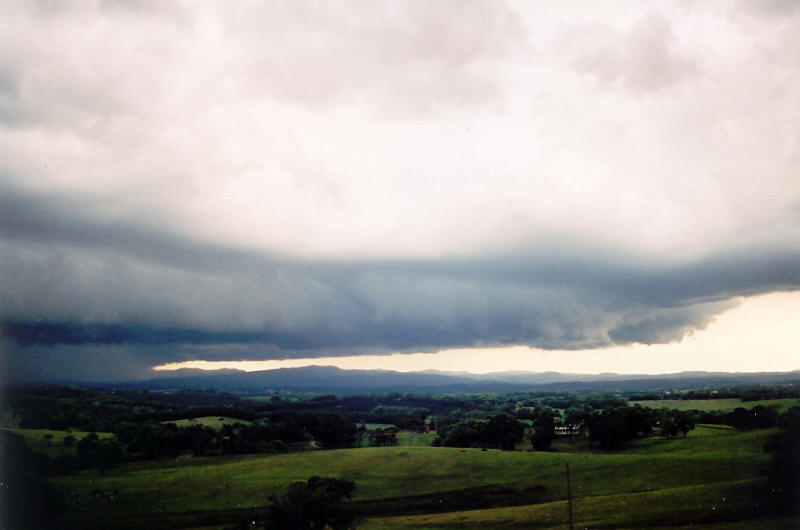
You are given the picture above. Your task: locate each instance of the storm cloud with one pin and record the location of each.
(69, 283)
(188, 181)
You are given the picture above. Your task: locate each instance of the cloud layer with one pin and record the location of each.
(212, 181)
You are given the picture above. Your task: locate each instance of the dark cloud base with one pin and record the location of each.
(79, 291)
(27, 334)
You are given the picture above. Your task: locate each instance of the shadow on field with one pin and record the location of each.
(440, 502)
(452, 501)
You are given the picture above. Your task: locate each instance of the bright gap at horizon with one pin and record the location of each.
(761, 334)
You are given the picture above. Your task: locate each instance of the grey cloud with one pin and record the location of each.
(123, 286)
(643, 59)
(664, 325)
(770, 7)
(9, 95)
(414, 56)
(79, 363)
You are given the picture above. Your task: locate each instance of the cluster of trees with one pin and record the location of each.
(613, 427)
(319, 502)
(140, 420)
(609, 428)
(382, 437)
(674, 422)
(498, 432)
(99, 410)
(544, 431)
(91, 451)
(759, 417)
(102, 454)
(96, 410)
(155, 440)
(147, 441)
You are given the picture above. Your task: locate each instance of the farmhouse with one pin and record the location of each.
(568, 430)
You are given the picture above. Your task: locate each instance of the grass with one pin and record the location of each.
(716, 405)
(672, 506)
(153, 490)
(373, 426)
(52, 446)
(704, 478)
(709, 440)
(415, 439)
(215, 422)
(404, 438)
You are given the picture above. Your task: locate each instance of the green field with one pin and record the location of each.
(415, 439)
(716, 405)
(373, 426)
(629, 510)
(215, 422)
(704, 478)
(50, 442)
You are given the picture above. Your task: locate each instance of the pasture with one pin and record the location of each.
(716, 405)
(704, 478)
(215, 422)
(50, 442)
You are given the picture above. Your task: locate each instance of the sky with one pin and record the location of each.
(573, 186)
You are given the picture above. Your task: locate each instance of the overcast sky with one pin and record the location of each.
(272, 180)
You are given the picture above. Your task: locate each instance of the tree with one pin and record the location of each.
(544, 431)
(383, 437)
(668, 427)
(316, 503)
(503, 431)
(782, 491)
(94, 452)
(607, 428)
(759, 417)
(578, 414)
(638, 422)
(201, 438)
(68, 441)
(499, 432)
(332, 431)
(684, 423)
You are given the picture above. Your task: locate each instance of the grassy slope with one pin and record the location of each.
(715, 497)
(712, 405)
(724, 458)
(684, 505)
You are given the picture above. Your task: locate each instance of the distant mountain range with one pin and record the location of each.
(332, 379)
